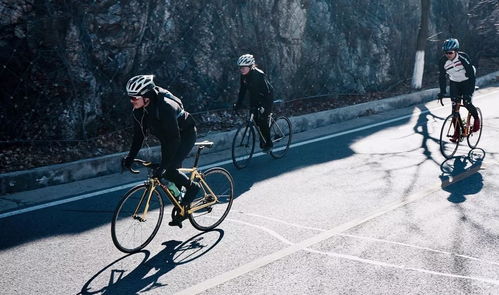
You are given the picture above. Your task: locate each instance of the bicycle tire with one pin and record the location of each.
(143, 231)
(447, 147)
(280, 133)
(243, 146)
(221, 183)
(474, 137)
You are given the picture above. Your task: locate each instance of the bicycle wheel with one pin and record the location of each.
(243, 146)
(474, 137)
(447, 147)
(280, 133)
(131, 229)
(221, 184)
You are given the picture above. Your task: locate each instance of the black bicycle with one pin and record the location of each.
(243, 145)
(455, 129)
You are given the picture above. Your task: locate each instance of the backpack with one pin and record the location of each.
(177, 100)
(167, 95)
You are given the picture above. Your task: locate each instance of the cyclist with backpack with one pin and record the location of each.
(255, 84)
(458, 67)
(162, 114)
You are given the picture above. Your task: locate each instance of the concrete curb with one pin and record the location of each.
(19, 181)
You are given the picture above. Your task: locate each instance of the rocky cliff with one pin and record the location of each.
(64, 64)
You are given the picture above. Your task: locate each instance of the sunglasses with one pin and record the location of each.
(134, 98)
(449, 52)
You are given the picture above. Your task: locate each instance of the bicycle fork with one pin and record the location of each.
(244, 138)
(147, 193)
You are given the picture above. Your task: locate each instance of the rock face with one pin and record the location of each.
(484, 19)
(64, 64)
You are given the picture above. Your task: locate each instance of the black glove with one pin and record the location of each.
(126, 162)
(158, 172)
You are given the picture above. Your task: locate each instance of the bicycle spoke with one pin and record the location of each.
(221, 184)
(280, 133)
(474, 137)
(129, 233)
(243, 146)
(448, 133)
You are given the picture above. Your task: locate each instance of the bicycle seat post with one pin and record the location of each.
(198, 153)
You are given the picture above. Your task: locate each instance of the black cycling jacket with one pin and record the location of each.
(259, 90)
(459, 70)
(165, 118)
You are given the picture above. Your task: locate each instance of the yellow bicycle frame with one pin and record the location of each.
(195, 174)
(153, 183)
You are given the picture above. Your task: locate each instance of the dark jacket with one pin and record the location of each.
(165, 118)
(256, 85)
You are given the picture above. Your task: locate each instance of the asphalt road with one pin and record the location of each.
(364, 207)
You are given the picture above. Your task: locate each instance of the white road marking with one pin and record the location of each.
(374, 239)
(305, 244)
(269, 231)
(385, 264)
(369, 261)
(421, 248)
(113, 189)
(283, 222)
(72, 199)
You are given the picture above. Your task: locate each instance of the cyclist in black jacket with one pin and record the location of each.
(255, 85)
(457, 66)
(159, 111)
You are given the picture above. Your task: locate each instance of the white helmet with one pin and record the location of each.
(246, 60)
(139, 85)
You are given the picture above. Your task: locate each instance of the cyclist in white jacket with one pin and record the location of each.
(461, 72)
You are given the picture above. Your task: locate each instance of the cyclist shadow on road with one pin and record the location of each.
(421, 128)
(460, 175)
(115, 278)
